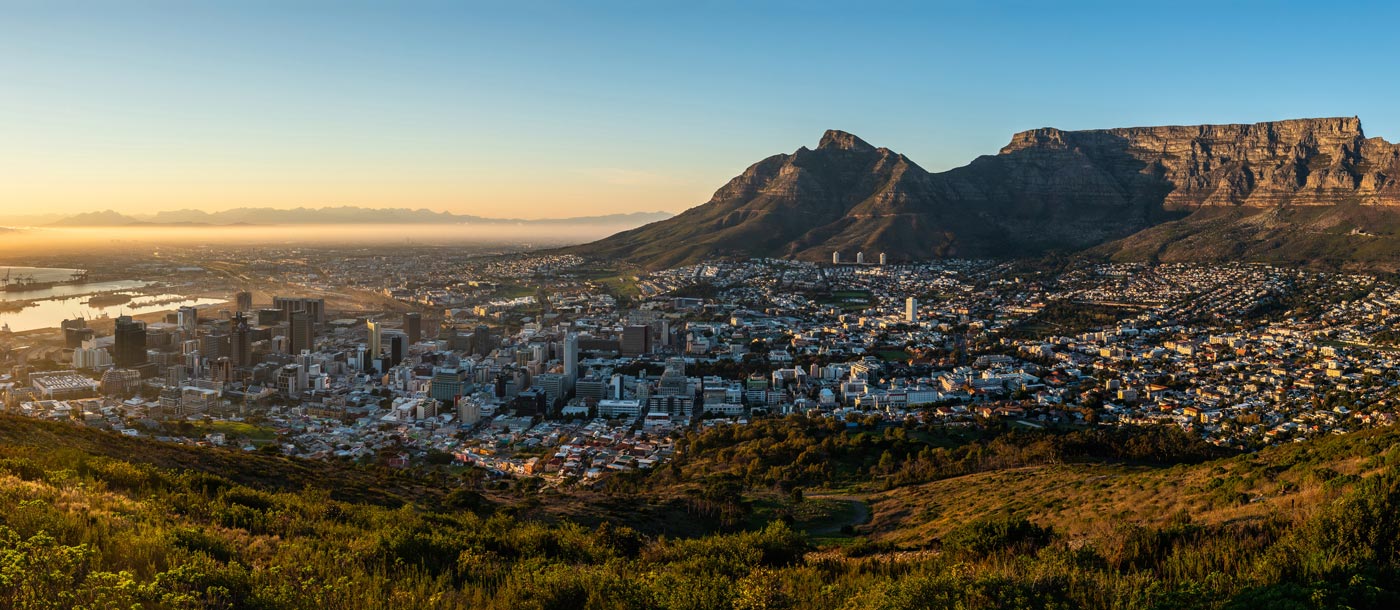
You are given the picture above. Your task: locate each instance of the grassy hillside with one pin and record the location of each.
(1312, 525)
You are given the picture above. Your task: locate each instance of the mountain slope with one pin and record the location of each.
(1047, 189)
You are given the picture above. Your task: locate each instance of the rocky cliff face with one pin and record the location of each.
(1047, 190)
(1298, 162)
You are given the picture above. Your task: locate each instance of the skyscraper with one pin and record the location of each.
(482, 343)
(375, 339)
(243, 300)
(300, 333)
(188, 318)
(911, 310)
(240, 342)
(413, 326)
(570, 360)
(130, 343)
(315, 307)
(398, 344)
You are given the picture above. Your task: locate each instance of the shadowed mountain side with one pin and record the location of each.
(1046, 190)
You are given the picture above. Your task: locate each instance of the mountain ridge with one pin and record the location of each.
(328, 215)
(1046, 190)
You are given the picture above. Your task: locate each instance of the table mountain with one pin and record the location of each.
(1048, 189)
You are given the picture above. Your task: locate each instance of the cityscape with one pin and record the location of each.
(319, 305)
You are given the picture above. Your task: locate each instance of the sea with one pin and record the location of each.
(54, 305)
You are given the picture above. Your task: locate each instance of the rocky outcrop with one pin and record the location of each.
(1048, 189)
(1297, 162)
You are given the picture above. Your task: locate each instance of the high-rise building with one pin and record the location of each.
(860, 258)
(636, 340)
(911, 310)
(187, 319)
(836, 257)
(243, 301)
(482, 342)
(376, 337)
(673, 380)
(447, 384)
(289, 380)
(882, 258)
(241, 342)
(553, 386)
(398, 344)
(413, 326)
(570, 359)
(214, 346)
(315, 307)
(269, 317)
(75, 331)
(301, 334)
(130, 343)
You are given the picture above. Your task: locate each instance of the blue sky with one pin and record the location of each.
(551, 109)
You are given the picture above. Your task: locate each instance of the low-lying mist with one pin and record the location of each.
(533, 235)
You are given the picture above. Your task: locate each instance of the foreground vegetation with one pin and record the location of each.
(86, 527)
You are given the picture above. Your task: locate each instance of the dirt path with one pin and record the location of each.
(860, 514)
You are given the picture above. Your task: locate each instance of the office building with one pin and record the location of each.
(289, 380)
(269, 317)
(375, 338)
(570, 359)
(398, 346)
(911, 310)
(413, 326)
(243, 301)
(636, 340)
(301, 334)
(447, 384)
(75, 331)
(130, 345)
(316, 308)
(240, 342)
(187, 318)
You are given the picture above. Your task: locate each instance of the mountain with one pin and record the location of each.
(1050, 189)
(336, 215)
(105, 218)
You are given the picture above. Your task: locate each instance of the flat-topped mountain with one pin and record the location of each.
(1048, 189)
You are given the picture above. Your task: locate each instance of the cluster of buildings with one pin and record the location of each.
(575, 380)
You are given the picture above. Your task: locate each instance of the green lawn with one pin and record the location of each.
(237, 429)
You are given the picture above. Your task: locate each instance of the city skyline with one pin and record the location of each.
(555, 110)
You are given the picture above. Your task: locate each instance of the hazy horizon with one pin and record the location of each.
(48, 240)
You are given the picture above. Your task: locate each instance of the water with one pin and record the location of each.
(49, 313)
(59, 303)
(71, 290)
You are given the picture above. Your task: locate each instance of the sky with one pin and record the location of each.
(532, 109)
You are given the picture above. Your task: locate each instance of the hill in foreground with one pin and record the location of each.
(81, 528)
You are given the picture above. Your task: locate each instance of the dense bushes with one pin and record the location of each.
(99, 532)
(800, 451)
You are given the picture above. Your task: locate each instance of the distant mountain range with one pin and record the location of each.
(321, 216)
(1297, 190)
